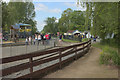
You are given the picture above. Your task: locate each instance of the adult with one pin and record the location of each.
(42, 38)
(30, 40)
(47, 38)
(39, 38)
(60, 37)
(36, 38)
(80, 38)
(26, 41)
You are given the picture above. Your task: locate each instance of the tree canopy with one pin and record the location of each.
(18, 12)
(70, 20)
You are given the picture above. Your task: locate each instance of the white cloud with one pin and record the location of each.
(40, 25)
(70, 4)
(42, 7)
(74, 5)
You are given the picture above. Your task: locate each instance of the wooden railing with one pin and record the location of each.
(61, 55)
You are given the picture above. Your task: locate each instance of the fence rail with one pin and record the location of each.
(44, 57)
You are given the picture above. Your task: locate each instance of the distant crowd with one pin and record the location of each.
(38, 38)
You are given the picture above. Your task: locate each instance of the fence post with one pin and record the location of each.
(90, 43)
(75, 48)
(60, 59)
(83, 48)
(31, 67)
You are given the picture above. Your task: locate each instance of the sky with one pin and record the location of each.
(52, 9)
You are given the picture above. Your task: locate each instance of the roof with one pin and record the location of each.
(24, 24)
(17, 26)
(76, 31)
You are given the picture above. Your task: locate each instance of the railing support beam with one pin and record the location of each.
(60, 59)
(31, 67)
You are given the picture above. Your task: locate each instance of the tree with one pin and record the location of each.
(18, 12)
(51, 25)
(104, 16)
(77, 20)
(106, 19)
(4, 16)
(71, 20)
(64, 21)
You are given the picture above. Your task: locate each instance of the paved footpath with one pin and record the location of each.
(86, 67)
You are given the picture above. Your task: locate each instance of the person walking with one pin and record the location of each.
(34, 41)
(47, 38)
(30, 40)
(60, 37)
(39, 38)
(42, 38)
(36, 38)
(80, 38)
(26, 41)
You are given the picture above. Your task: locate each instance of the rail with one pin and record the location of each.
(62, 55)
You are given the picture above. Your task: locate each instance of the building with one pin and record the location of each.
(20, 31)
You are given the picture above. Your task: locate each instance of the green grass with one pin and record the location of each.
(84, 39)
(72, 41)
(109, 54)
(22, 39)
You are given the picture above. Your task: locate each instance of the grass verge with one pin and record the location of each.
(68, 40)
(109, 55)
(73, 41)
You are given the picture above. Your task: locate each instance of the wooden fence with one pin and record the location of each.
(60, 54)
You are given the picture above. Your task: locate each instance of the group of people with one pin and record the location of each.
(37, 38)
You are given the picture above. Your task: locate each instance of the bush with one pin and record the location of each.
(111, 42)
(105, 58)
(109, 56)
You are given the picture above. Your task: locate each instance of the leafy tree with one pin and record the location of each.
(77, 20)
(71, 20)
(18, 12)
(64, 21)
(51, 25)
(4, 16)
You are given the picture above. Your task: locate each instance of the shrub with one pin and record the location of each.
(105, 58)
(109, 56)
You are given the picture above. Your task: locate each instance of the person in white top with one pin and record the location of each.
(30, 40)
(26, 41)
(36, 37)
(39, 38)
